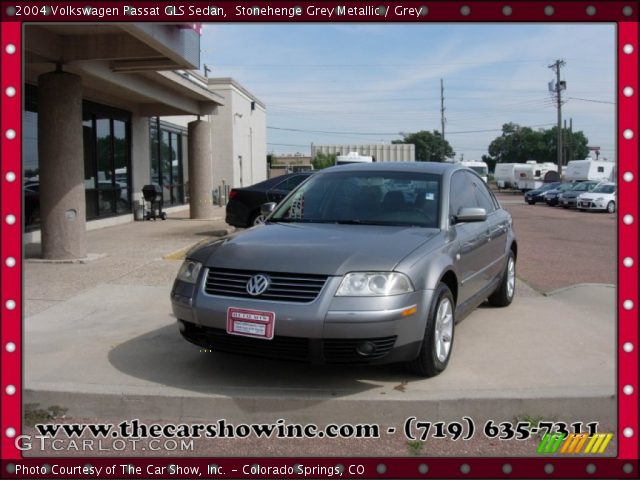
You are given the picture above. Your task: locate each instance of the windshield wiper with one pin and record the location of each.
(376, 223)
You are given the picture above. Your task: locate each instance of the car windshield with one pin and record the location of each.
(365, 198)
(581, 187)
(604, 189)
(548, 186)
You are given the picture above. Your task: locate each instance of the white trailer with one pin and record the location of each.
(532, 175)
(504, 175)
(353, 157)
(480, 168)
(582, 170)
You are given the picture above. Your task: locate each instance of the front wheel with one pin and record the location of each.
(611, 207)
(438, 338)
(531, 202)
(503, 296)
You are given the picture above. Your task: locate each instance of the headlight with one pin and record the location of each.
(374, 284)
(189, 271)
(599, 199)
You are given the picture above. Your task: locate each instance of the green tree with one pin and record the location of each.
(518, 144)
(430, 146)
(323, 160)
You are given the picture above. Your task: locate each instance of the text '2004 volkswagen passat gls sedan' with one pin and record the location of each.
(360, 264)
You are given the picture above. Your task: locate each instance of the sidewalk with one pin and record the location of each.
(100, 340)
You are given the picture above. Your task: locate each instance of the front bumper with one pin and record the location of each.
(327, 330)
(568, 202)
(591, 205)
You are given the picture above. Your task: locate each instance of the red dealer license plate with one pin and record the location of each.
(250, 323)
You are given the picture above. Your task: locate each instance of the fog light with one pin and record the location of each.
(182, 327)
(365, 348)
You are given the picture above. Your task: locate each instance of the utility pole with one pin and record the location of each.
(558, 90)
(442, 116)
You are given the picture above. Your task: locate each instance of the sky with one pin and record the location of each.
(367, 83)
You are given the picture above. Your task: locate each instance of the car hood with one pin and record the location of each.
(573, 194)
(326, 249)
(592, 195)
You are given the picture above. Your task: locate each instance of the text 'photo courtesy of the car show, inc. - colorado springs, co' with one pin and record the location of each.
(283, 240)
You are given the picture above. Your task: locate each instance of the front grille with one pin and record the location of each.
(344, 350)
(283, 287)
(290, 348)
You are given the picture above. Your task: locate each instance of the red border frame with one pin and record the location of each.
(522, 11)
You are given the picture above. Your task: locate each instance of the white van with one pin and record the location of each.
(589, 169)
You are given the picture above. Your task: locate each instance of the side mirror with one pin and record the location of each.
(267, 208)
(469, 214)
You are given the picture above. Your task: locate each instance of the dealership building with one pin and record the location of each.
(111, 108)
(390, 152)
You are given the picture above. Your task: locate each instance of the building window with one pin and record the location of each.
(107, 160)
(166, 161)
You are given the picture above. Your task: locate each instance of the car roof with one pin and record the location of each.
(438, 168)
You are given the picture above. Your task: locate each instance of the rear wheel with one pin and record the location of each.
(438, 338)
(503, 296)
(611, 207)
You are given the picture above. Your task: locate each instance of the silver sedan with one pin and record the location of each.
(361, 264)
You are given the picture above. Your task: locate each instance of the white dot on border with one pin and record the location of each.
(628, 262)
(507, 10)
(381, 468)
(627, 468)
(10, 134)
(10, 219)
(10, 91)
(548, 469)
(10, 49)
(627, 219)
(627, 432)
(628, 347)
(628, 390)
(10, 177)
(423, 468)
(465, 10)
(627, 91)
(10, 304)
(628, 49)
(591, 10)
(627, 304)
(549, 10)
(507, 468)
(10, 347)
(628, 176)
(591, 468)
(10, 390)
(465, 468)
(10, 262)
(627, 11)
(627, 134)
(10, 432)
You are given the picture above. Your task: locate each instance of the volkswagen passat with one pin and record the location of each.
(348, 269)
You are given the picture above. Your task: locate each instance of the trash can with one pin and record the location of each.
(138, 211)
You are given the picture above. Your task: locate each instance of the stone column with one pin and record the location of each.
(61, 163)
(200, 170)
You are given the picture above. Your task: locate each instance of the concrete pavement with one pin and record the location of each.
(100, 340)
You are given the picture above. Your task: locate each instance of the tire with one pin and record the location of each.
(611, 207)
(531, 202)
(565, 206)
(582, 209)
(434, 355)
(257, 219)
(506, 291)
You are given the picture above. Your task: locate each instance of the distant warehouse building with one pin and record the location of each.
(394, 152)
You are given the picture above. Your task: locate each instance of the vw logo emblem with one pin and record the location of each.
(257, 285)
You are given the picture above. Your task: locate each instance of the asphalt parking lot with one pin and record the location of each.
(99, 339)
(563, 246)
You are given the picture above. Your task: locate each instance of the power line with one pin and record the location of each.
(590, 100)
(393, 133)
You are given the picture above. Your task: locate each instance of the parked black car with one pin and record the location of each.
(537, 195)
(551, 196)
(243, 208)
